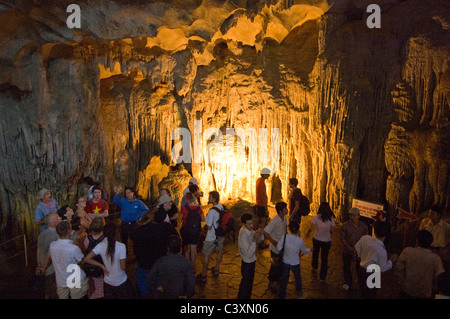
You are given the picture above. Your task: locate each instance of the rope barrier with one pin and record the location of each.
(25, 251)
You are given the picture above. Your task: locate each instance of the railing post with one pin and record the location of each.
(25, 248)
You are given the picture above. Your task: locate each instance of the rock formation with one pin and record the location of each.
(357, 112)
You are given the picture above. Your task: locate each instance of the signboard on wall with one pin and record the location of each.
(366, 209)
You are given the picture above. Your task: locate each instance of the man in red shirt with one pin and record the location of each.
(260, 209)
(97, 206)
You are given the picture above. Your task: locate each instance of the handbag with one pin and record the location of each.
(282, 249)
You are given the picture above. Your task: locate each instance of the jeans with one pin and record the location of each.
(368, 293)
(285, 279)
(246, 285)
(142, 281)
(322, 247)
(348, 260)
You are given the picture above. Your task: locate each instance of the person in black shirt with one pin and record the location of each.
(150, 243)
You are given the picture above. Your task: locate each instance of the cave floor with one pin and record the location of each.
(15, 275)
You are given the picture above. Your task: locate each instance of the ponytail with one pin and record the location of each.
(109, 231)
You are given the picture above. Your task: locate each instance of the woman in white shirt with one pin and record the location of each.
(114, 255)
(293, 245)
(323, 224)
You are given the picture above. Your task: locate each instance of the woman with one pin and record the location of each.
(293, 245)
(323, 224)
(95, 283)
(189, 235)
(114, 256)
(77, 234)
(85, 219)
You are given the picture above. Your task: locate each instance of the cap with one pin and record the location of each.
(42, 193)
(193, 181)
(265, 171)
(164, 199)
(354, 211)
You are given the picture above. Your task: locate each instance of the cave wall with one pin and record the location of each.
(362, 113)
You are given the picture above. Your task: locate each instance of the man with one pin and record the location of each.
(351, 233)
(45, 238)
(71, 280)
(212, 241)
(438, 227)
(150, 241)
(131, 210)
(274, 231)
(247, 241)
(193, 188)
(46, 205)
(418, 268)
(295, 201)
(371, 251)
(260, 208)
(97, 207)
(174, 272)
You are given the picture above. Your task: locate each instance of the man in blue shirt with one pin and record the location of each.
(131, 210)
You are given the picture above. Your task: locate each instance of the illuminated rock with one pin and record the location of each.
(361, 113)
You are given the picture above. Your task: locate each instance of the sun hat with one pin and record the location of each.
(193, 181)
(164, 199)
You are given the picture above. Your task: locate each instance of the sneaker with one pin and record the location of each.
(215, 271)
(346, 287)
(201, 278)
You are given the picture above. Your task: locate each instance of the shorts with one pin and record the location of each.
(260, 211)
(74, 293)
(189, 239)
(209, 246)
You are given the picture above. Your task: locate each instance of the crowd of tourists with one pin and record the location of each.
(82, 254)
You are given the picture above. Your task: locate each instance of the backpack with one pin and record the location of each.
(193, 221)
(304, 206)
(226, 222)
(91, 270)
